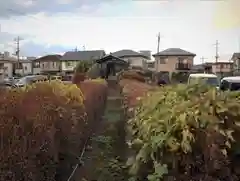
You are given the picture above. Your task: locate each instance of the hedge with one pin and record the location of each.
(186, 133)
(44, 127)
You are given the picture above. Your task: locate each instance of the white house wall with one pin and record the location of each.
(36, 70)
(136, 61)
(68, 68)
(27, 69)
(8, 69)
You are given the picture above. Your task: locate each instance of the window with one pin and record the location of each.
(212, 81)
(129, 61)
(25, 67)
(181, 60)
(69, 64)
(36, 64)
(163, 60)
(53, 64)
(235, 86)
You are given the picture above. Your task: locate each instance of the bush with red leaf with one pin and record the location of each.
(133, 75)
(43, 129)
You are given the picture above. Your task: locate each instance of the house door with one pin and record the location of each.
(110, 69)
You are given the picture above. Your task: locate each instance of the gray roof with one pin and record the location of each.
(198, 67)
(128, 53)
(111, 58)
(83, 55)
(174, 52)
(237, 55)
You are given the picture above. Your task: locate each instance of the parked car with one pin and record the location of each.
(30, 79)
(6, 85)
(56, 77)
(230, 83)
(209, 79)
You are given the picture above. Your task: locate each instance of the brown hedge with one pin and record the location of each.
(43, 129)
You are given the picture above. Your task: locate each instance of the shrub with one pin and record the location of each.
(185, 133)
(134, 75)
(95, 71)
(83, 67)
(78, 77)
(43, 128)
(98, 80)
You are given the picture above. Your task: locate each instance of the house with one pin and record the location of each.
(199, 68)
(135, 59)
(111, 62)
(236, 62)
(222, 68)
(23, 67)
(49, 64)
(6, 65)
(151, 65)
(173, 60)
(70, 59)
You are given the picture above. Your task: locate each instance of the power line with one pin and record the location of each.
(202, 59)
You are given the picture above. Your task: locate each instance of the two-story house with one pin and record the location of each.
(236, 62)
(135, 59)
(23, 67)
(6, 65)
(222, 68)
(173, 60)
(49, 64)
(70, 59)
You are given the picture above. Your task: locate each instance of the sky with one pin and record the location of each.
(56, 26)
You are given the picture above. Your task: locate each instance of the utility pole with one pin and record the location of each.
(158, 42)
(239, 44)
(17, 41)
(217, 55)
(202, 59)
(76, 49)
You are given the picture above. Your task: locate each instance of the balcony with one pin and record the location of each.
(183, 66)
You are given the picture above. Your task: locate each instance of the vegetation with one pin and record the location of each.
(133, 75)
(83, 66)
(186, 133)
(44, 127)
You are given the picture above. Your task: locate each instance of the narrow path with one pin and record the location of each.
(105, 156)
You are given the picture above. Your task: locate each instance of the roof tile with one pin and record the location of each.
(174, 52)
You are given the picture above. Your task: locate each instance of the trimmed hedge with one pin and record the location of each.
(44, 127)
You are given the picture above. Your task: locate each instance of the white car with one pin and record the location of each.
(230, 83)
(209, 79)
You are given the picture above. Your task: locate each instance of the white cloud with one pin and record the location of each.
(131, 25)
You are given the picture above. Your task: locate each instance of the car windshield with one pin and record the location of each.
(235, 86)
(213, 81)
(23, 81)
